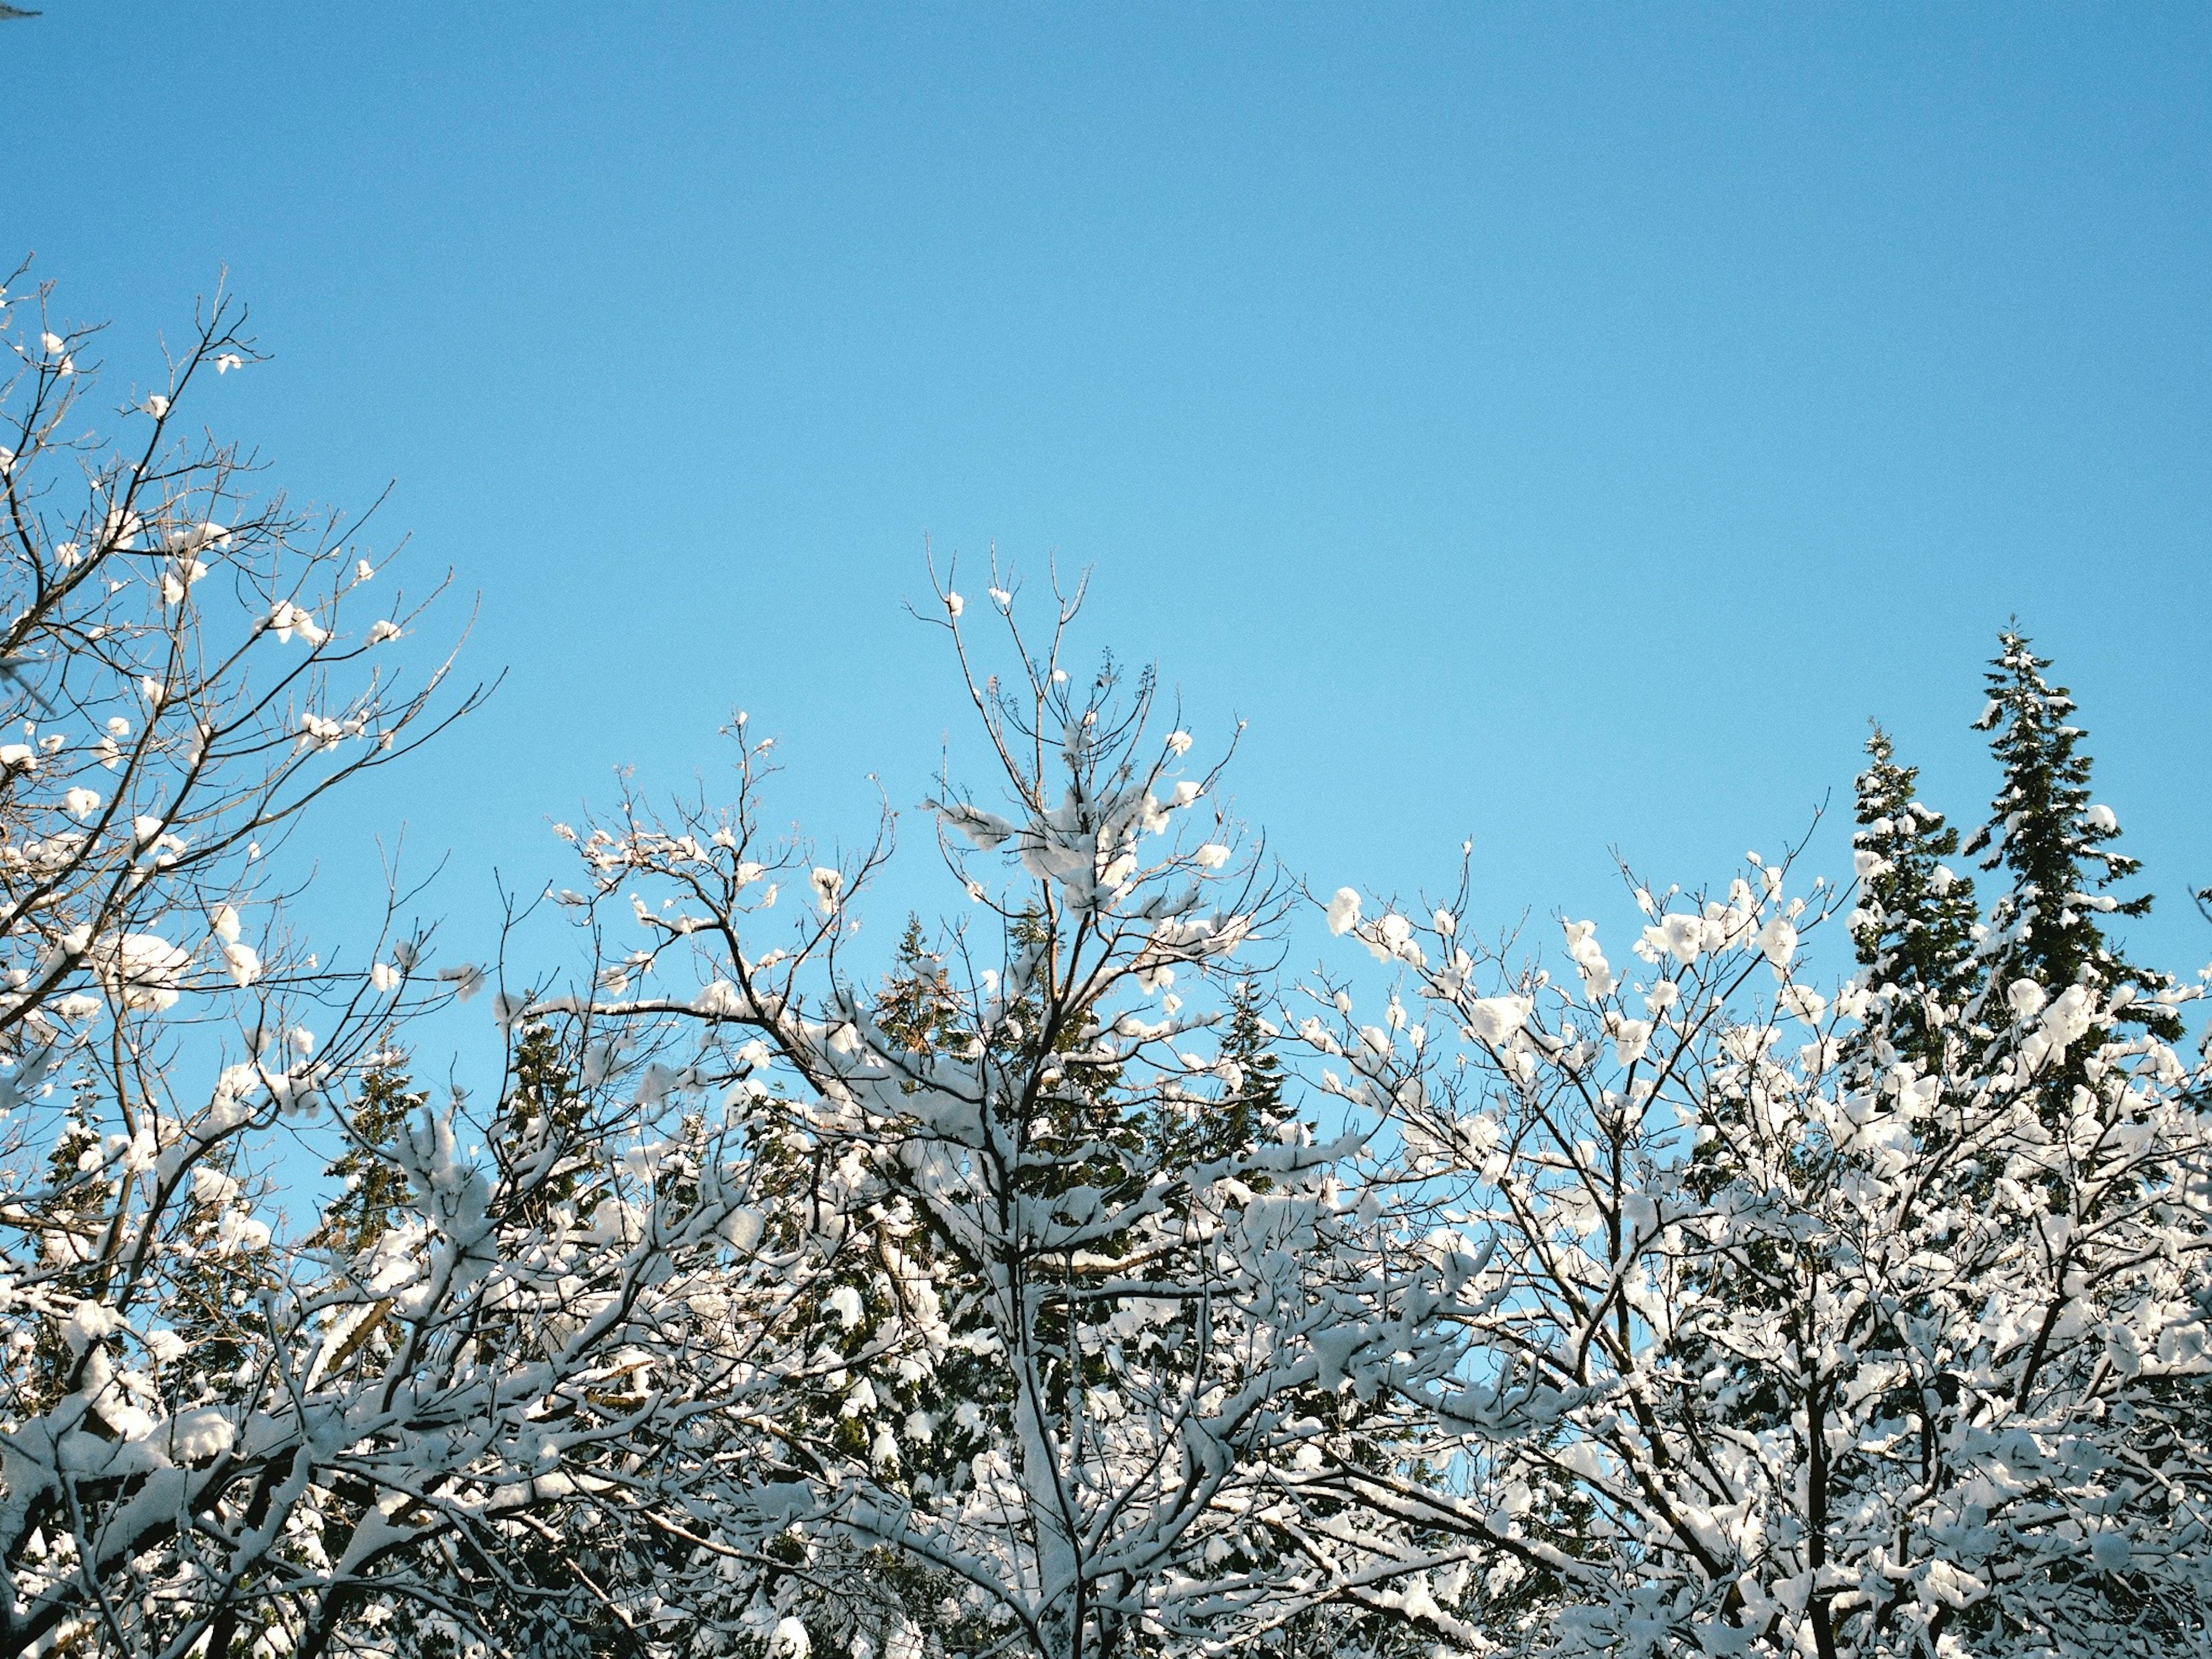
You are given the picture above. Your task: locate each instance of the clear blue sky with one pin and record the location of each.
(1561, 425)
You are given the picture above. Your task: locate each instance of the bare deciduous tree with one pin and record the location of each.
(220, 1434)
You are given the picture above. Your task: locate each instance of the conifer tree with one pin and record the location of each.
(74, 1209)
(2046, 831)
(1254, 1103)
(1916, 924)
(917, 1005)
(542, 1118)
(373, 1190)
(1248, 1102)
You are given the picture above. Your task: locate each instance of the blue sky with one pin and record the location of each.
(1559, 426)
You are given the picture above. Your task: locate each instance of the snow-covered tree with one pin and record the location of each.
(1781, 1358)
(2047, 935)
(1066, 1381)
(1916, 926)
(227, 1423)
(1055, 1282)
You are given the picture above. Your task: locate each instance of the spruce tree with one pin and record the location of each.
(544, 1592)
(1916, 924)
(2055, 843)
(542, 1127)
(373, 1189)
(1254, 1104)
(74, 1211)
(917, 1006)
(1250, 1103)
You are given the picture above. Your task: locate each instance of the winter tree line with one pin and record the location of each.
(1086, 1284)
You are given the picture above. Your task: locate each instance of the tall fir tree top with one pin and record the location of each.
(917, 1006)
(2053, 839)
(1916, 924)
(373, 1189)
(1252, 1103)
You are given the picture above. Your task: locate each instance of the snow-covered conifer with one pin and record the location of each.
(2054, 841)
(1916, 926)
(1779, 1358)
(1066, 1373)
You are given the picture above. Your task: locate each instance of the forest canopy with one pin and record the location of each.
(1818, 1267)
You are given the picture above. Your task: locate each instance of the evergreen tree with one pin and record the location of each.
(1249, 1106)
(1255, 1103)
(917, 1005)
(373, 1189)
(2054, 841)
(1916, 924)
(74, 1211)
(542, 1119)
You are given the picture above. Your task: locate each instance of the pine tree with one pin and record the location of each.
(541, 1121)
(917, 1005)
(2046, 831)
(1251, 1104)
(373, 1189)
(545, 1594)
(1916, 923)
(1254, 1104)
(74, 1209)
